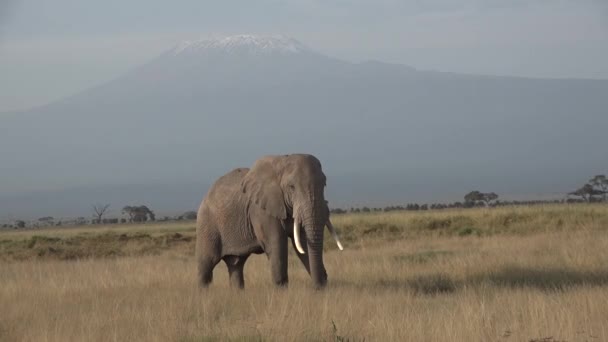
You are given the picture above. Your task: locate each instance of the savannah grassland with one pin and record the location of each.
(500, 274)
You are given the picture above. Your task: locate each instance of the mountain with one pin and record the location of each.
(383, 132)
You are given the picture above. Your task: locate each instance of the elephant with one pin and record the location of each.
(252, 211)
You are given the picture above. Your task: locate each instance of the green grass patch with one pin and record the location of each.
(100, 245)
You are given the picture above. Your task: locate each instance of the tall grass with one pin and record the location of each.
(518, 284)
(371, 227)
(356, 230)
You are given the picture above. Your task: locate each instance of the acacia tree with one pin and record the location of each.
(586, 192)
(98, 211)
(129, 210)
(147, 212)
(489, 197)
(474, 197)
(139, 213)
(601, 183)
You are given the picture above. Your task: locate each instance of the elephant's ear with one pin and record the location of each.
(261, 186)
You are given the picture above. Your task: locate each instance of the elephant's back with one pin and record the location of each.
(224, 192)
(228, 183)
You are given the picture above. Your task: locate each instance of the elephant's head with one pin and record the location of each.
(293, 186)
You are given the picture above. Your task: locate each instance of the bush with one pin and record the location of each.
(465, 231)
(189, 215)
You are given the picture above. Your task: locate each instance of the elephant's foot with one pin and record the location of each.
(205, 279)
(281, 283)
(279, 277)
(321, 285)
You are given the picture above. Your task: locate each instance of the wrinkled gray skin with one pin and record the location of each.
(251, 211)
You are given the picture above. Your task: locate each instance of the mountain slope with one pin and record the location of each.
(383, 132)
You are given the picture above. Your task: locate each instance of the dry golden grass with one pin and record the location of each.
(511, 285)
(358, 230)
(479, 222)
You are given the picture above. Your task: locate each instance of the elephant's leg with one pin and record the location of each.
(235, 266)
(208, 252)
(206, 264)
(276, 249)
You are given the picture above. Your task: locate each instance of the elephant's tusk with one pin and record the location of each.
(331, 229)
(296, 236)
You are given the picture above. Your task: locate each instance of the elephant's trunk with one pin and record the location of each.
(317, 270)
(314, 224)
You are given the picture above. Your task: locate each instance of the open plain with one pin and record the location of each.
(498, 274)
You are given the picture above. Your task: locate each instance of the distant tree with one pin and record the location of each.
(472, 197)
(20, 224)
(129, 210)
(586, 192)
(98, 211)
(47, 220)
(600, 182)
(189, 215)
(475, 197)
(337, 211)
(139, 213)
(487, 198)
(146, 212)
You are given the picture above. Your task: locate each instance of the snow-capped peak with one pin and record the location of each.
(245, 43)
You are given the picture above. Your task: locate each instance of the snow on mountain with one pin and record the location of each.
(245, 43)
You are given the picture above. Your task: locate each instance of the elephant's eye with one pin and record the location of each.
(291, 187)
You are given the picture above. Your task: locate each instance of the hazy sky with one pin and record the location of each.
(53, 48)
